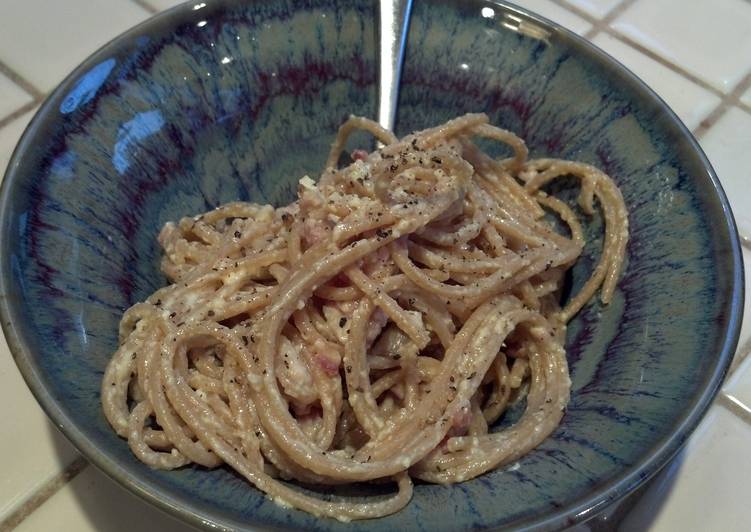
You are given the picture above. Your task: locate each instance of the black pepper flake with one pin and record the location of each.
(452, 388)
(245, 339)
(264, 372)
(436, 160)
(258, 434)
(210, 313)
(472, 375)
(173, 314)
(181, 324)
(342, 322)
(252, 338)
(381, 233)
(396, 356)
(158, 302)
(238, 234)
(359, 389)
(349, 369)
(394, 167)
(451, 378)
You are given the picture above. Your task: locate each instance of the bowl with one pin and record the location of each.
(223, 100)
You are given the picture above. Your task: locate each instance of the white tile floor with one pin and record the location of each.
(39, 451)
(558, 14)
(40, 27)
(719, 47)
(690, 102)
(706, 493)
(42, 41)
(746, 97)
(727, 145)
(738, 385)
(9, 136)
(596, 8)
(162, 4)
(13, 97)
(93, 502)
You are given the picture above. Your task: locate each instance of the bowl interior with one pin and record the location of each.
(238, 100)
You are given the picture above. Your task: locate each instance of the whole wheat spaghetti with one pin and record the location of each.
(372, 330)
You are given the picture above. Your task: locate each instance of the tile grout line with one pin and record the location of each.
(22, 82)
(43, 494)
(603, 25)
(598, 24)
(727, 100)
(740, 355)
(4, 121)
(145, 5)
(735, 406)
(730, 100)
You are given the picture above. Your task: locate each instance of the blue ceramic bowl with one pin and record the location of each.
(236, 100)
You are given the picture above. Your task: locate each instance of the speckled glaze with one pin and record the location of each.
(237, 100)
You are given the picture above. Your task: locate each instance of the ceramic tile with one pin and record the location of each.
(727, 144)
(746, 97)
(161, 5)
(558, 14)
(9, 136)
(738, 384)
(710, 39)
(703, 488)
(746, 324)
(91, 502)
(36, 451)
(689, 101)
(11, 96)
(49, 39)
(596, 8)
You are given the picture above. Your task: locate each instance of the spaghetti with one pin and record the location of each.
(373, 330)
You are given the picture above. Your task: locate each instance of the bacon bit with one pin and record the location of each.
(461, 422)
(315, 230)
(359, 155)
(331, 367)
(327, 358)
